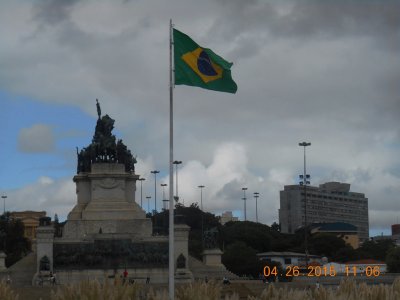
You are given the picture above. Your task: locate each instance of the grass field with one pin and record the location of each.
(251, 290)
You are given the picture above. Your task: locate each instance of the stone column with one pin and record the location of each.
(182, 272)
(212, 257)
(44, 246)
(2, 261)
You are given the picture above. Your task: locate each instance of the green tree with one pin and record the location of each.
(347, 253)
(275, 227)
(375, 249)
(242, 260)
(393, 260)
(12, 240)
(325, 244)
(195, 218)
(255, 235)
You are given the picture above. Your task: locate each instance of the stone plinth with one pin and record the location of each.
(44, 248)
(182, 272)
(3, 261)
(212, 257)
(106, 204)
(106, 193)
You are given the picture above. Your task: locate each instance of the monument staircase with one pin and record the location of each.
(22, 272)
(201, 271)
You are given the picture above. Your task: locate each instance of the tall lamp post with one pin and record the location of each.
(148, 203)
(176, 163)
(4, 204)
(201, 196)
(256, 195)
(141, 191)
(304, 182)
(163, 185)
(244, 199)
(201, 187)
(155, 172)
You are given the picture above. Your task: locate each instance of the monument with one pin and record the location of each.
(107, 232)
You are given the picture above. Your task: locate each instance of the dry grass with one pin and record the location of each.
(6, 293)
(347, 290)
(93, 290)
(202, 291)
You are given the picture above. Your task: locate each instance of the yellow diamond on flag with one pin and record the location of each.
(199, 61)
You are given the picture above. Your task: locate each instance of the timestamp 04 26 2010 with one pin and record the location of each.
(319, 271)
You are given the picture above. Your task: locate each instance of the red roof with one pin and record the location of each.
(314, 263)
(368, 261)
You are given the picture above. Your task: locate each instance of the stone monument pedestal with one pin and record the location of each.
(212, 257)
(106, 231)
(182, 272)
(3, 261)
(106, 204)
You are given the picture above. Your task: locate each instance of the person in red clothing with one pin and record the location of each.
(125, 275)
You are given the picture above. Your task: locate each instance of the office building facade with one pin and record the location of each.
(330, 202)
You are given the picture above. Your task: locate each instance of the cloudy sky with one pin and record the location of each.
(326, 72)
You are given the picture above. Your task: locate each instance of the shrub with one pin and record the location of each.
(393, 260)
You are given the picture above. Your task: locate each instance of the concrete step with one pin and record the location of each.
(200, 270)
(22, 271)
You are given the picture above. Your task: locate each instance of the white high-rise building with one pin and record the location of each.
(330, 202)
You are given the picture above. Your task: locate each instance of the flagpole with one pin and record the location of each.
(171, 249)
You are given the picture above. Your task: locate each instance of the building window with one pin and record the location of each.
(288, 261)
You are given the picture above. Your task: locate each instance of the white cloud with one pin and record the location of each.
(223, 179)
(51, 195)
(38, 138)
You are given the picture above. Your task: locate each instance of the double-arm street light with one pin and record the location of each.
(201, 187)
(244, 199)
(201, 196)
(141, 191)
(304, 181)
(256, 195)
(148, 203)
(163, 185)
(155, 172)
(176, 163)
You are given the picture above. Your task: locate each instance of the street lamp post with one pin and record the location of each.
(163, 195)
(148, 203)
(155, 172)
(141, 191)
(304, 182)
(244, 199)
(201, 196)
(201, 187)
(176, 163)
(4, 204)
(256, 195)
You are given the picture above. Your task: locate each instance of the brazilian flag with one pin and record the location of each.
(198, 66)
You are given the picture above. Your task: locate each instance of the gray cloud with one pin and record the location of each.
(53, 12)
(310, 18)
(323, 71)
(36, 139)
